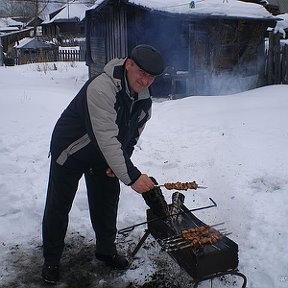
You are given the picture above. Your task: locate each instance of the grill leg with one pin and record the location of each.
(142, 240)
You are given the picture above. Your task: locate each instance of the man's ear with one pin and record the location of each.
(128, 63)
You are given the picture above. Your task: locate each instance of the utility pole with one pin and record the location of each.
(35, 16)
(36, 8)
(68, 8)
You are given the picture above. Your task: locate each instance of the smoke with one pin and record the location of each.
(215, 56)
(226, 83)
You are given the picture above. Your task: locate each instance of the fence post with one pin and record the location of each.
(270, 60)
(277, 58)
(274, 65)
(285, 64)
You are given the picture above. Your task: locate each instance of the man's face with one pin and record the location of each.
(137, 78)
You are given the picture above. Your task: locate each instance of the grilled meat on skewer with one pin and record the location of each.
(181, 185)
(194, 243)
(193, 237)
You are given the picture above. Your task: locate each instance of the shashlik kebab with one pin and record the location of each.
(194, 237)
(181, 185)
(194, 243)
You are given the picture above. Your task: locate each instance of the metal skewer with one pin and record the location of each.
(200, 187)
(169, 247)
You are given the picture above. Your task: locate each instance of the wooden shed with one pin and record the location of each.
(33, 50)
(206, 53)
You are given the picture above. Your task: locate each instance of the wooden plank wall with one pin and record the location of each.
(277, 61)
(97, 44)
(116, 33)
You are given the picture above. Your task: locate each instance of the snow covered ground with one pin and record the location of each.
(234, 144)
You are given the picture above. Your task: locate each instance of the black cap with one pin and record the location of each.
(148, 59)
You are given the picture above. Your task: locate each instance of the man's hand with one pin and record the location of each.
(143, 184)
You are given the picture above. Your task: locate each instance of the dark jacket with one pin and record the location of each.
(102, 124)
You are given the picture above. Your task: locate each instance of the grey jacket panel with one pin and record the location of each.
(73, 148)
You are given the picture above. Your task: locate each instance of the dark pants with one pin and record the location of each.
(103, 196)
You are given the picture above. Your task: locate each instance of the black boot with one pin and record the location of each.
(115, 261)
(50, 274)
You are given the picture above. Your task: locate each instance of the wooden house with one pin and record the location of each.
(272, 8)
(67, 22)
(205, 45)
(28, 21)
(9, 39)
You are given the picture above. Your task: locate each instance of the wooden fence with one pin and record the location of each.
(39, 56)
(70, 55)
(276, 61)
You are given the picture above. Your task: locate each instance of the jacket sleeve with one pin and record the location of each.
(103, 129)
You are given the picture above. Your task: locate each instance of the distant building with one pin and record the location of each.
(282, 4)
(66, 22)
(9, 38)
(28, 21)
(13, 29)
(8, 24)
(274, 6)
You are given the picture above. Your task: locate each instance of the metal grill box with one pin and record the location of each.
(198, 262)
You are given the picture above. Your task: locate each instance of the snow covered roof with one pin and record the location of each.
(282, 25)
(31, 43)
(9, 22)
(231, 8)
(48, 9)
(71, 10)
(8, 29)
(19, 32)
